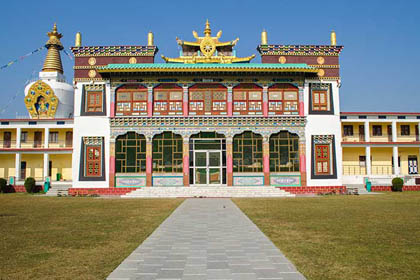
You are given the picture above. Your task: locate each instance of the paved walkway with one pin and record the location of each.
(206, 239)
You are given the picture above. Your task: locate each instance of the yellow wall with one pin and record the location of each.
(34, 165)
(384, 137)
(381, 161)
(351, 164)
(61, 163)
(406, 138)
(7, 165)
(404, 153)
(61, 138)
(356, 132)
(31, 137)
(13, 131)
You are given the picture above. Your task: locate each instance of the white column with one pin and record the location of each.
(17, 166)
(394, 131)
(46, 165)
(367, 132)
(46, 137)
(368, 162)
(395, 158)
(18, 134)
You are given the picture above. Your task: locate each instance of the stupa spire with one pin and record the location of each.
(52, 62)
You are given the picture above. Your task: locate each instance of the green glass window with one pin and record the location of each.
(167, 153)
(247, 152)
(284, 152)
(130, 153)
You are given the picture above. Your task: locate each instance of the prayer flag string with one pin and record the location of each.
(21, 58)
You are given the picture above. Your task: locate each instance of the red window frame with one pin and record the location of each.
(322, 159)
(247, 106)
(94, 101)
(281, 106)
(167, 106)
(218, 105)
(317, 97)
(93, 161)
(140, 105)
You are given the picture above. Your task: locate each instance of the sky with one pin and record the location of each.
(379, 63)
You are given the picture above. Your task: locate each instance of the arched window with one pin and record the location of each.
(130, 153)
(247, 152)
(283, 99)
(247, 100)
(167, 153)
(284, 152)
(131, 100)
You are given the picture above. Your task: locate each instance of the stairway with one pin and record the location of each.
(154, 192)
(59, 190)
(357, 188)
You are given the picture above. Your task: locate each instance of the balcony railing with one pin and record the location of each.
(35, 144)
(380, 138)
(349, 170)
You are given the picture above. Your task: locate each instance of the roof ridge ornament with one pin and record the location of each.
(52, 61)
(207, 49)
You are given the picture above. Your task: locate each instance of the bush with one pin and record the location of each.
(30, 185)
(397, 185)
(3, 185)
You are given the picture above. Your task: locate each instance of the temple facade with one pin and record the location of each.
(206, 118)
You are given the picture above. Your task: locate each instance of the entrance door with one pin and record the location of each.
(361, 133)
(23, 170)
(38, 139)
(69, 139)
(389, 133)
(208, 167)
(412, 165)
(7, 139)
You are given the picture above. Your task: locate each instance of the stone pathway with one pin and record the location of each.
(206, 239)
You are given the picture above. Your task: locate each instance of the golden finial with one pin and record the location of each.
(264, 37)
(53, 60)
(78, 40)
(333, 38)
(150, 38)
(207, 30)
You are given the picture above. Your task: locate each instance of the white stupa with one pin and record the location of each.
(50, 96)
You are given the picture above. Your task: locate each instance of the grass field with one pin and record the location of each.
(344, 237)
(73, 238)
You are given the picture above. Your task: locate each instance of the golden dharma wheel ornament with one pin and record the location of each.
(282, 59)
(320, 60)
(92, 61)
(92, 73)
(207, 46)
(132, 60)
(321, 73)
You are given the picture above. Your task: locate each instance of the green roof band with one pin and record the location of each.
(293, 67)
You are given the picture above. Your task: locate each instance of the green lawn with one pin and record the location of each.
(344, 237)
(73, 238)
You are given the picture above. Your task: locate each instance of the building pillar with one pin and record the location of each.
(395, 159)
(149, 162)
(265, 100)
(18, 137)
(186, 161)
(368, 162)
(229, 101)
(302, 162)
(367, 131)
(112, 98)
(18, 158)
(46, 165)
(46, 137)
(394, 131)
(112, 163)
(301, 102)
(185, 107)
(266, 160)
(229, 161)
(150, 101)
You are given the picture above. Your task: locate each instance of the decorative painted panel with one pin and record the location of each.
(168, 181)
(256, 180)
(285, 180)
(130, 181)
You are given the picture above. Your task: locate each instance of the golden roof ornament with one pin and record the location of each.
(78, 40)
(333, 38)
(207, 49)
(264, 37)
(52, 62)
